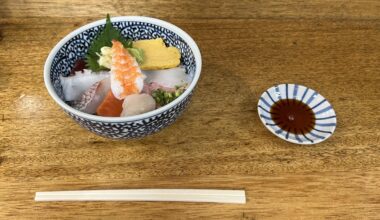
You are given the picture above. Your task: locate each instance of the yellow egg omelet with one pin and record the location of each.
(157, 55)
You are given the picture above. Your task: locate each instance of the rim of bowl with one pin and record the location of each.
(186, 37)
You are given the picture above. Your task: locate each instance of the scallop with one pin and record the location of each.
(137, 104)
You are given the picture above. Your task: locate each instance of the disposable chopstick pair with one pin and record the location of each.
(168, 195)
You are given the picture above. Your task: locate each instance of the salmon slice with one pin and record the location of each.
(111, 106)
(126, 76)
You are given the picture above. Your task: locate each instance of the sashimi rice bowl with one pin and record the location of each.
(124, 77)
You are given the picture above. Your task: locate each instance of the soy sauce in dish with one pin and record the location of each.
(293, 116)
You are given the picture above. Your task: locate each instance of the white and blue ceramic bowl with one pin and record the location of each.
(325, 117)
(61, 59)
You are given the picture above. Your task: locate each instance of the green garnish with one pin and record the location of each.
(137, 53)
(105, 38)
(163, 97)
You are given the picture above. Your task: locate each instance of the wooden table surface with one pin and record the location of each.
(219, 142)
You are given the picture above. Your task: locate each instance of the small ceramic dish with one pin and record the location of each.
(297, 114)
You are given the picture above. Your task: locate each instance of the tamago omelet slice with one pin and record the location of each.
(157, 55)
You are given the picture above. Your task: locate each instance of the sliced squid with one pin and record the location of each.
(74, 86)
(169, 78)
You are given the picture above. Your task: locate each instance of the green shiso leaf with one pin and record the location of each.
(105, 38)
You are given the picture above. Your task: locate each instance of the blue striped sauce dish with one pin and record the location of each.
(324, 116)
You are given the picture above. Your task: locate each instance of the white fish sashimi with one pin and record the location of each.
(93, 97)
(169, 78)
(137, 104)
(151, 87)
(74, 86)
(85, 99)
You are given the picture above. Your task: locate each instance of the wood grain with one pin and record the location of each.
(247, 46)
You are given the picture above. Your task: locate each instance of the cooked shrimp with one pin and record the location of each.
(126, 76)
